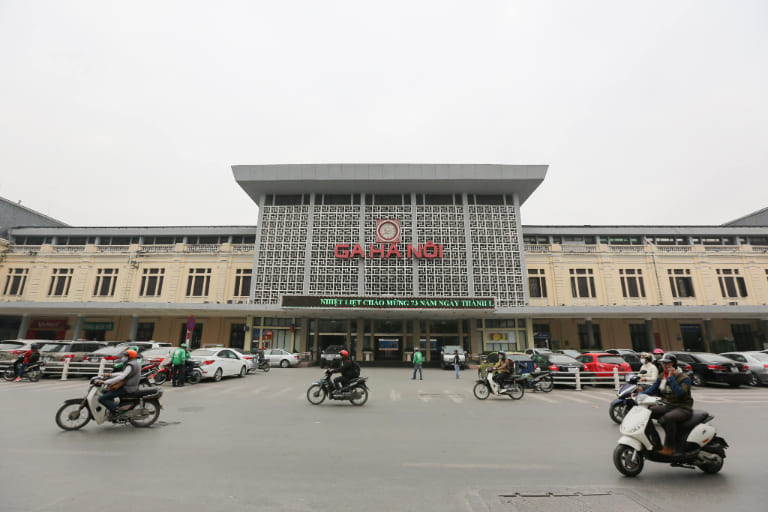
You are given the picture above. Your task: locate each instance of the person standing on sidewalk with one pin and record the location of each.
(179, 360)
(418, 360)
(456, 362)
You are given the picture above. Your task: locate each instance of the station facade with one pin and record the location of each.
(385, 258)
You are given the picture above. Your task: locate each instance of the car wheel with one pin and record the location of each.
(243, 371)
(217, 376)
(697, 380)
(753, 380)
(284, 363)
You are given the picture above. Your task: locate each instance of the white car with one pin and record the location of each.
(251, 359)
(281, 358)
(216, 363)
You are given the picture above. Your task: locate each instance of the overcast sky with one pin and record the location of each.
(131, 113)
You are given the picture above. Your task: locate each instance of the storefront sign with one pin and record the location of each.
(429, 250)
(98, 326)
(48, 324)
(344, 302)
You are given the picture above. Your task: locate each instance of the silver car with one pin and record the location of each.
(757, 362)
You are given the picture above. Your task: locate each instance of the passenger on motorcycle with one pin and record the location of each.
(127, 381)
(503, 369)
(348, 369)
(261, 355)
(649, 367)
(30, 356)
(674, 386)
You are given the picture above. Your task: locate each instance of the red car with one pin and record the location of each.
(603, 363)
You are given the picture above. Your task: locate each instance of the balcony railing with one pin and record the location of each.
(627, 248)
(202, 248)
(68, 249)
(721, 248)
(579, 248)
(113, 249)
(163, 248)
(538, 248)
(242, 247)
(673, 248)
(25, 249)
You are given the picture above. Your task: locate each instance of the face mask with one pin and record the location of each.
(124, 360)
(643, 361)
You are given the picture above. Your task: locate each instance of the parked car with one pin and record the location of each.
(569, 352)
(112, 353)
(523, 362)
(531, 351)
(714, 368)
(557, 362)
(757, 363)
(251, 359)
(446, 356)
(143, 345)
(216, 363)
(156, 355)
(603, 363)
(75, 351)
(281, 358)
(10, 350)
(329, 356)
(620, 351)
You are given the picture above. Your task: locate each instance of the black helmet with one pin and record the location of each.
(35, 346)
(669, 358)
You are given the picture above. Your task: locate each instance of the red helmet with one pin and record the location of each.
(344, 353)
(658, 351)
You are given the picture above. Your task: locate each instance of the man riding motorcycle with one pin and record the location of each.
(348, 370)
(120, 384)
(674, 386)
(503, 369)
(30, 356)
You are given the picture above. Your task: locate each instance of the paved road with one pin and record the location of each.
(417, 445)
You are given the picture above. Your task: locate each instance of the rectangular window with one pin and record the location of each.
(105, 282)
(537, 283)
(152, 282)
(582, 283)
(681, 282)
(584, 342)
(14, 283)
(60, 281)
(731, 283)
(198, 282)
(632, 282)
(242, 282)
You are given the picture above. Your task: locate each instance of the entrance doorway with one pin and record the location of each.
(326, 340)
(389, 348)
(692, 339)
(237, 336)
(742, 335)
(95, 335)
(195, 337)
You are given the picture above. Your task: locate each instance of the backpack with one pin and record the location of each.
(356, 368)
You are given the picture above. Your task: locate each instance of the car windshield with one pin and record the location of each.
(518, 357)
(10, 345)
(561, 359)
(448, 349)
(610, 359)
(109, 351)
(53, 347)
(203, 353)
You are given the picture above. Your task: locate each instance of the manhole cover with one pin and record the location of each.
(566, 501)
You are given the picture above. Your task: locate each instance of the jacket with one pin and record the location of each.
(675, 389)
(651, 373)
(131, 374)
(504, 366)
(179, 356)
(418, 358)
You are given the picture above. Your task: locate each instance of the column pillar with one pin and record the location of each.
(708, 336)
(248, 333)
(134, 327)
(24, 326)
(360, 339)
(590, 334)
(427, 336)
(78, 327)
(650, 339)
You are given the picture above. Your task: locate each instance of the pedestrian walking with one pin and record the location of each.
(456, 362)
(179, 361)
(418, 359)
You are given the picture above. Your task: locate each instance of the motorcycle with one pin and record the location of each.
(264, 365)
(623, 403)
(700, 444)
(193, 373)
(356, 391)
(33, 372)
(486, 385)
(140, 409)
(540, 381)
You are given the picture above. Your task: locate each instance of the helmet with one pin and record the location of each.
(132, 354)
(344, 353)
(669, 358)
(646, 355)
(658, 351)
(502, 353)
(35, 346)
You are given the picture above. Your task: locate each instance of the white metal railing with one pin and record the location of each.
(68, 249)
(202, 248)
(113, 249)
(242, 247)
(673, 248)
(158, 248)
(579, 248)
(537, 248)
(760, 248)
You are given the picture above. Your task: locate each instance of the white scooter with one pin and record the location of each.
(140, 409)
(698, 440)
(485, 385)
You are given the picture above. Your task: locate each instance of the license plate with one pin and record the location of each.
(734, 369)
(572, 370)
(95, 359)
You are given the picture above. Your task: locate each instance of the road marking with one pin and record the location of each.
(423, 397)
(68, 453)
(256, 391)
(455, 397)
(602, 397)
(394, 395)
(438, 465)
